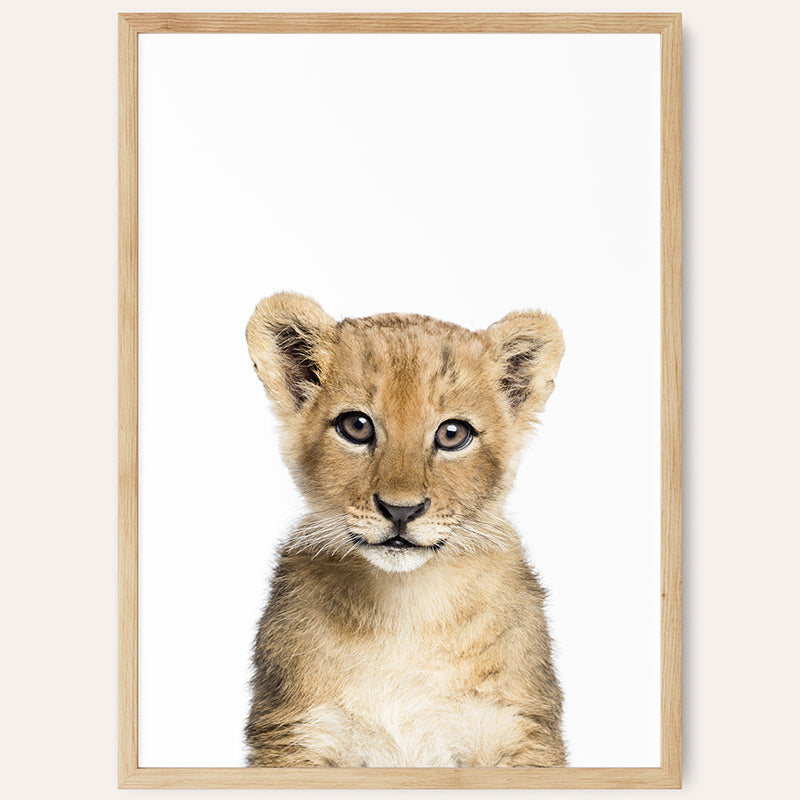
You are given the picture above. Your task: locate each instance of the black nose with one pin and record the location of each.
(401, 514)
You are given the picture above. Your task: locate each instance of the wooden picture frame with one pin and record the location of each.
(668, 775)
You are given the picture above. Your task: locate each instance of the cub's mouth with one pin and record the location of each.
(396, 542)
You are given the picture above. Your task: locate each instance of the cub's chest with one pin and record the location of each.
(409, 706)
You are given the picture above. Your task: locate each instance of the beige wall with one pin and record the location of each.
(58, 327)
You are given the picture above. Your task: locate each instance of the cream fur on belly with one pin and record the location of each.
(392, 726)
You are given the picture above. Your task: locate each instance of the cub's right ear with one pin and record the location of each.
(289, 338)
(528, 346)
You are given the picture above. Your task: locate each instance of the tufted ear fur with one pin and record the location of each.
(289, 337)
(528, 345)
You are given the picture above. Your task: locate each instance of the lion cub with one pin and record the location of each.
(403, 628)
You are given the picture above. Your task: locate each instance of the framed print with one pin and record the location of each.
(400, 400)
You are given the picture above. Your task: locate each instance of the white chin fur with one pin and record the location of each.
(390, 560)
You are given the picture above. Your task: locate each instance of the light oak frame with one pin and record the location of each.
(668, 775)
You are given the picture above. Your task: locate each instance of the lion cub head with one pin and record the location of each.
(402, 431)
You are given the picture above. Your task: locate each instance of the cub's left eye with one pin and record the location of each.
(355, 427)
(453, 434)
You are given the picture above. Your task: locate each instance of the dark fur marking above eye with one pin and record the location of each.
(449, 368)
(445, 360)
(368, 363)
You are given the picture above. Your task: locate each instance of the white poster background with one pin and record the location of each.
(461, 176)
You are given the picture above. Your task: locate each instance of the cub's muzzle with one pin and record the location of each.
(401, 515)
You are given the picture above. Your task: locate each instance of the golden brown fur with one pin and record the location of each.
(436, 653)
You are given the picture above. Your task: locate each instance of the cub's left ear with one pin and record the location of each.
(289, 338)
(528, 346)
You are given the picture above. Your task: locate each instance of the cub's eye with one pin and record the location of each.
(355, 427)
(453, 434)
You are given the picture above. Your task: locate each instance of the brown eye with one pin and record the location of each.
(453, 434)
(355, 427)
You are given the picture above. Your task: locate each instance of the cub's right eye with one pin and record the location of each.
(355, 427)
